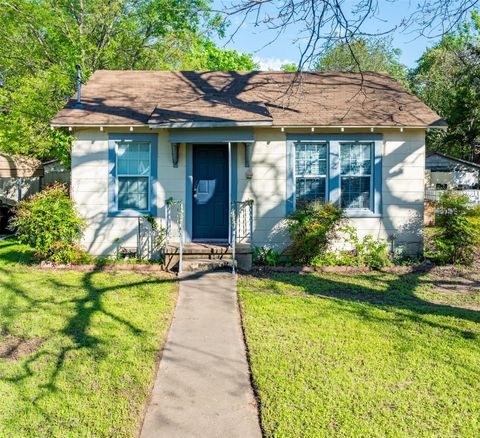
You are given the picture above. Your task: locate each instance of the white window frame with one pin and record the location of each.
(327, 168)
(122, 175)
(371, 175)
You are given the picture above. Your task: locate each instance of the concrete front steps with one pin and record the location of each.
(206, 257)
(201, 265)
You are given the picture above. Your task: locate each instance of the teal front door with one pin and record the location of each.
(210, 192)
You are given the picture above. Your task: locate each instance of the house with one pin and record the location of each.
(19, 178)
(444, 172)
(212, 138)
(55, 172)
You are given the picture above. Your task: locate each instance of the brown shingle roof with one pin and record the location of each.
(167, 98)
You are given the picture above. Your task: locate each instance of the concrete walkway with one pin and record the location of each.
(202, 388)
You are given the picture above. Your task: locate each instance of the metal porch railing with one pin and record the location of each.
(150, 238)
(174, 207)
(241, 226)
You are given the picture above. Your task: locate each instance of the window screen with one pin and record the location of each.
(310, 172)
(355, 175)
(133, 173)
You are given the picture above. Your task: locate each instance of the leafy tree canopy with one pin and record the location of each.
(42, 40)
(289, 67)
(364, 54)
(205, 55)
(447, 79)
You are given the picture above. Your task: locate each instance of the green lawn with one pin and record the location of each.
(77, 350)
(364, 355)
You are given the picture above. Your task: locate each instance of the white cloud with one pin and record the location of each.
(272, 63)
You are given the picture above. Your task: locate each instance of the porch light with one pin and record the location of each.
(248, 154)
(175, 153)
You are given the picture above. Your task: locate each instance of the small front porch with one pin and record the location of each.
(234, 252)
(205, 256)
(165, 238)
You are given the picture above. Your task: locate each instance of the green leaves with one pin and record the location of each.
(42, 40)
(365, 54)
(48, 222)
(312, 227)
(206, 56)
(457, 238)
(448, 80)
(29, 102)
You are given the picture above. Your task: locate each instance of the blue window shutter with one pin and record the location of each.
(377, 174)
(153, 175)
(334, 176)
(112, 178)
(290, 204)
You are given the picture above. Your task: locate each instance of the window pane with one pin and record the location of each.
(310, 159)
(310, 189)
(132, 193)
(355, 192)
(133, 158)
(355, 159)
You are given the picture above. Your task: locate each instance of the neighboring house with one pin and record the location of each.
(210, 138)
(444, 172)
(21, 177)
(55, 172)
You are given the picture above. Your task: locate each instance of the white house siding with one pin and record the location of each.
(403, 164)
(267, 186)
(90, 190)
(402, 188)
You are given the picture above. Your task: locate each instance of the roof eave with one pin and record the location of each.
(232, 124)
(226, 124)
(97, 125)
(360, 126)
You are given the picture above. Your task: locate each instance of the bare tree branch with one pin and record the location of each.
(323, 23)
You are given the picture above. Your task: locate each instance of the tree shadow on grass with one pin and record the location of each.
(394, 293)
(77, 327)
(11, 252)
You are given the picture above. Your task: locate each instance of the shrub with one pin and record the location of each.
(311, 228)
(48, 222)
(475, 211)
(457, 237)
(373, 252)
(368, 252)
(264, 256)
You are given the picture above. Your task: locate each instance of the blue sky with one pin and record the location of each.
(285, 49)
